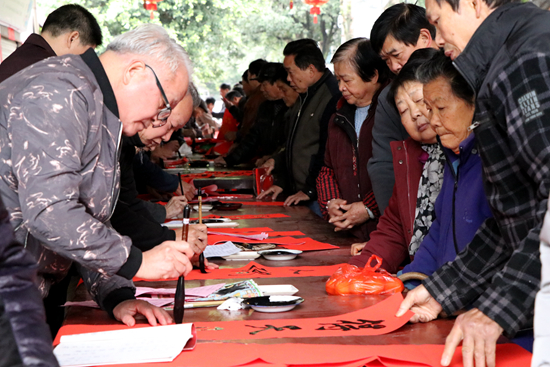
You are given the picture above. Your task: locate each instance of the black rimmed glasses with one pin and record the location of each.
(162, 116)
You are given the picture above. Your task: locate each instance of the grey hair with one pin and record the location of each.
(153, 41)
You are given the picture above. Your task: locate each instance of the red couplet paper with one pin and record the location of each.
(313, 355)
(375, 320)
(255, 270)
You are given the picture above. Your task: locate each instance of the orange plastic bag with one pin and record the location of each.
(349, 279)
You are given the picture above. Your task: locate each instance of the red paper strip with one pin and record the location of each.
(248, 216)
(212, 174)
(257, 230)
(255, 270)
(257, 216)
(244, 230)
(217, 238)
(257, 203)
(375, 320)
(313, 355)
(291, 243)
(310, 245)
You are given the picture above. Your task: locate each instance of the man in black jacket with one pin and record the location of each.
(267, 134)
(396, 34)
(297, 168)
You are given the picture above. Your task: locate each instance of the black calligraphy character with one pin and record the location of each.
(345, 325)
(271, 327)
(300, 270)
(254, 270)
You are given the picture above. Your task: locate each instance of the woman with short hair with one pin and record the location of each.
(343, 186)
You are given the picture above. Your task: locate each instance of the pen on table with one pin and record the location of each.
(202, 266)
(179, 298)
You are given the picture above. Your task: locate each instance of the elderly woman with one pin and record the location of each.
(343, 186)
(418, 165)
(462, 205)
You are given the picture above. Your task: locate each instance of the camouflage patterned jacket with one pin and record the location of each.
(59, 176)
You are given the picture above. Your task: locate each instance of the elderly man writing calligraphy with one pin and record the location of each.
(60, 132)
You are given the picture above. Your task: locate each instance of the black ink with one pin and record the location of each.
(254, 270)
(271, 327)
(351, 325)
(299, 271)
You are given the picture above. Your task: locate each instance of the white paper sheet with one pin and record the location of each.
(135, 345)
(197, 292)
(224, 249)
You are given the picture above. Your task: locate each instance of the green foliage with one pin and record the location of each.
(221, 36)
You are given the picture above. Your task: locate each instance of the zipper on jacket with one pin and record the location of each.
(290, 151)
(455, 187)
(113, 196)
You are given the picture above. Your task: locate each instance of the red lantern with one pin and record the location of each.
(315, 7)
(151, 5)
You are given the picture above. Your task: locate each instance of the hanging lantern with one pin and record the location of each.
(291, 4)
(151, 5)
(315, 7)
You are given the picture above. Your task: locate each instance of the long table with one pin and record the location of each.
(312, 289)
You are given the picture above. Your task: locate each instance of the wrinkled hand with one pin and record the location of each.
(175, 206)
(168, 260)
(355, 214)
(478, 334)
(334, 209)
(421, 302)
(274, 191)
(270, 164)
(296, 198)
(166, 151)
(197, 237)
(188, 190)
(356, 248)
(126, 310)
(220, 162)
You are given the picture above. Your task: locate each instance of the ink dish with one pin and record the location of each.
(280, 254)
(273, 303)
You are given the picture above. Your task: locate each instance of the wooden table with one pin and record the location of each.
(312, 289)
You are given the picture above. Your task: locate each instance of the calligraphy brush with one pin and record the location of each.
(202, 267)
(179, 299)
(181, 184)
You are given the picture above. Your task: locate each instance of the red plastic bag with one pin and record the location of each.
(349, 279)
(262, 180)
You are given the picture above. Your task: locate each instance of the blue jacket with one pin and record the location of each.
(465, 192)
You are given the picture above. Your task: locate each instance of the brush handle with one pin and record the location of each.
(179, 301)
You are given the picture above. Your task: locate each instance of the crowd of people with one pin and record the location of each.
(429, 143)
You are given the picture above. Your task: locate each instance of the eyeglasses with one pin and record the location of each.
(162, 116)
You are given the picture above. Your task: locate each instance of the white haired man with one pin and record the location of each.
(59, 146)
